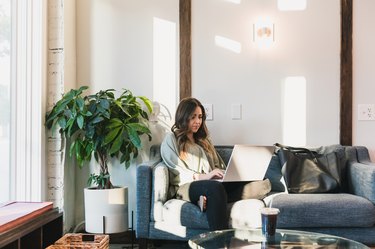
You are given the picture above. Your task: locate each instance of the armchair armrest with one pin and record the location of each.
(362, 180)
(143, 194)
(363, 155)
(160, 190)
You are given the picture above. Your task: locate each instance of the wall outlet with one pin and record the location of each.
(209, 111)
(366, 112)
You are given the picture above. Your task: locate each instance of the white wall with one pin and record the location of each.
(307, 43)
(114, 50)
(363, 71)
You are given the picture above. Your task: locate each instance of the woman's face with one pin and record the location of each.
(195, 120)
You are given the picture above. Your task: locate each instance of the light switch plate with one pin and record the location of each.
(236, 111)
(209, 111)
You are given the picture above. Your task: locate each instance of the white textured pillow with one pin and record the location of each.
(246, 214)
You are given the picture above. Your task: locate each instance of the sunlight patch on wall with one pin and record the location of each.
(165, 63)
(294, 111)
(228, 44)
(291, 5)
(234, 1)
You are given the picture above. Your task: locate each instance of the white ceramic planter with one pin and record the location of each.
(106, 210)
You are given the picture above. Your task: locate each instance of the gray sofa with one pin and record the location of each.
(349, 214)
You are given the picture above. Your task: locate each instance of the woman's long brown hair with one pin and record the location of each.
(181, 126)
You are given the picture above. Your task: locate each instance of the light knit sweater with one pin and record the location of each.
(196, 160)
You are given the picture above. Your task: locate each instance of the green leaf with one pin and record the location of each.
(80, 121)
(134, 137)
(110, 94)
(104, 103)
(127, 164)
(139, 127)
(120, 105)
(97, 119)
(72, 145)
(123, 158)
(117, 143)
(90, 180)
(81, 89)
(78, 147)
(69, 125)
(90, 131)
(62, 122)
(111, 135)
(88, 151)
(87, 114)
(80, 103)
(114, 123)
(147, 102)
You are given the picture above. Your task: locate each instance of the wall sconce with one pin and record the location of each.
(264, 33)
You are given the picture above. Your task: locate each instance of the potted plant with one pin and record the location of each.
(107, 127)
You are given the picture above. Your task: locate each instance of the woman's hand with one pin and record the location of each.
(214, 174)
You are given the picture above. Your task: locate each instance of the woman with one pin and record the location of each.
(193, 164)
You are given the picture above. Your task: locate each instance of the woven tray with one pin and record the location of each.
(82, 241)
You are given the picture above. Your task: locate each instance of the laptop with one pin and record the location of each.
(248, 163)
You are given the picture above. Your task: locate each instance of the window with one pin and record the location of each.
(5, 41)
(20, 83)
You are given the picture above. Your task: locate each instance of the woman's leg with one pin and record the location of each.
(247, 190)
(216, 207)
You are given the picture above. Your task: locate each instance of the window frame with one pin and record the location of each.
(26, 100)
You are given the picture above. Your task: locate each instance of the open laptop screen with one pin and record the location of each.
(248, 163)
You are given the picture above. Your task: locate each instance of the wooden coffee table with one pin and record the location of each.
(236, 238)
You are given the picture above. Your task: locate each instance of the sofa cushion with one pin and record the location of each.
(273, 173)
(323, 210)
(184, 213)
(225, 151)
(246, 214)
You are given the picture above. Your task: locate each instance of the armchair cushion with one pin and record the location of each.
(180, 212)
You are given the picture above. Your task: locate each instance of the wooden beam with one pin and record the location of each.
(346, 73)
(185, 48)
